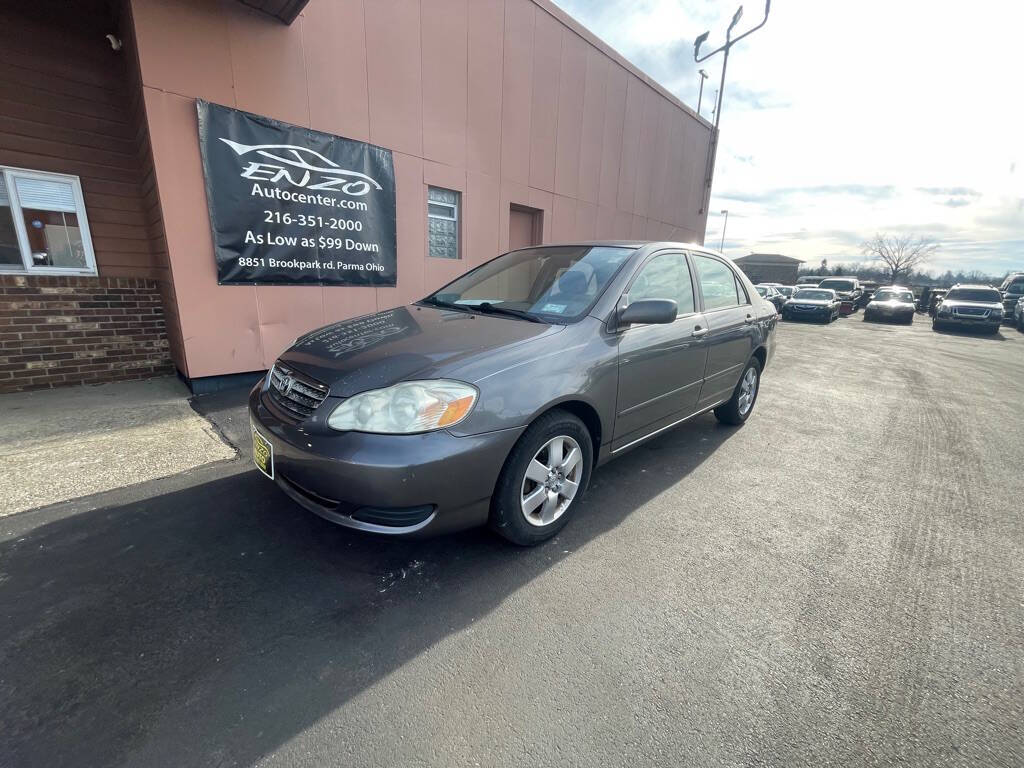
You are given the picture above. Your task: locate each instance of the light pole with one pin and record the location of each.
(721, 248)
(703, 76)
(709, 165)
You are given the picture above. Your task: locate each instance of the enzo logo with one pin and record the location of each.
(299, 166)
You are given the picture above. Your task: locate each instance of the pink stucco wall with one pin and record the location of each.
(507, 101)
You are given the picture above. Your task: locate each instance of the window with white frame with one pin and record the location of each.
(43, 228)
(442, 223)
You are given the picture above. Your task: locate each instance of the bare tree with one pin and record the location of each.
(900, 254)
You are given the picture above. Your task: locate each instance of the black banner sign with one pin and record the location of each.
(292, 206)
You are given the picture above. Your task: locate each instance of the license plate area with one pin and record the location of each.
(262, 454)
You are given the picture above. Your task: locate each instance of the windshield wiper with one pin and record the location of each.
(492, 309)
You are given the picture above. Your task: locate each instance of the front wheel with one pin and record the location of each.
(738, 409)
(542, 480)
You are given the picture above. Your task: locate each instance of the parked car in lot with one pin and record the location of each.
(820, 304)
(847, 289)
(786, 290)
(970, 306)
(492, 400)
(892, 304)
(771, 293)
(1018, 314)
(1012, 289)
(810, 281)
(931, 303)
(868, 289)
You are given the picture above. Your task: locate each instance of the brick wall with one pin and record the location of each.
(79, 330)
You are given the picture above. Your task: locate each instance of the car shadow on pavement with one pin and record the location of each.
(971, 333)
(212, 624)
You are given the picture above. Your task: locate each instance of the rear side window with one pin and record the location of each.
(665, 277)
(718, 284)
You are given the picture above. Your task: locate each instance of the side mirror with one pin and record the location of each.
(651, 311)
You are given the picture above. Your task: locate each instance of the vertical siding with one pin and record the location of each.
(73, 113)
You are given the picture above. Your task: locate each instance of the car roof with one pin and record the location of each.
(974, 286)
(646, 244)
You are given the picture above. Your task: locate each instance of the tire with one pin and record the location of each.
(509, 518)
(737, 410)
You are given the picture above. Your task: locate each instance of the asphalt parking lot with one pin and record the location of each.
(840, 581)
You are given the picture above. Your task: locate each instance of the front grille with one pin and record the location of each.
(805, 307)
(295, 393)
(971, 311)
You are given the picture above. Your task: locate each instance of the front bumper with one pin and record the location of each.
(818, 313)
(961, 321)
(890, 315)
(412, 485)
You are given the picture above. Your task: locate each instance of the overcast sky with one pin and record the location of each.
(842, 119)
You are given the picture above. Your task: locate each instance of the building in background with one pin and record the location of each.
(508, 122)
(769, 268)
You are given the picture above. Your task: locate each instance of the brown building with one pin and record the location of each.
(514, 122)
(769, 268)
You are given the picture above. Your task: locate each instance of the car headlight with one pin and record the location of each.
(406, 408)
(943, 310)
(997, 311)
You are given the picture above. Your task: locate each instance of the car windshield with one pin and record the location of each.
(785, 290)
(813, 295)
(1016, 286)
(990, 295)
(894, 296)
(557, 284)
(761, 290)
(837, 285)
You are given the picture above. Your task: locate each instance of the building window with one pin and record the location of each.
(442, 223)
(43, 228)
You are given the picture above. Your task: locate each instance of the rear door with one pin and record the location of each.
(660, 366)
(730, 316)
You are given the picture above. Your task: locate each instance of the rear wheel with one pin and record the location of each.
(542, 480)
(738, 409)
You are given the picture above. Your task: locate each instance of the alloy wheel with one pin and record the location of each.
(748, 391)
(552, 479)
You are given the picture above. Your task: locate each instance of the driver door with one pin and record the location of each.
(661, 367)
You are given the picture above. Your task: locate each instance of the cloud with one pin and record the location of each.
(956, 202)
(950, 191)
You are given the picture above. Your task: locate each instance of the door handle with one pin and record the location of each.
(698, 331)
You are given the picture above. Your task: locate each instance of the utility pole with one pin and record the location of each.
(703, 76)
(709, 165)
(721, 248)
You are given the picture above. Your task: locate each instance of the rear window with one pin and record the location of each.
(973, 294)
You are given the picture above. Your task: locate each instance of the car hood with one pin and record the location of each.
(405, 343)
(892, 304)
(951, 303)
(809, 302)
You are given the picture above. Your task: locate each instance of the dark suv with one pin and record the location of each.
(970, 306)
(1012, 290)
(847, 289)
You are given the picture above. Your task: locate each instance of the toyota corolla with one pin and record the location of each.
(492, 400)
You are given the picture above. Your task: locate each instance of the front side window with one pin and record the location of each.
(442, 223)
(43, 228)
(665, 277)
(718, 284)
(552, 284)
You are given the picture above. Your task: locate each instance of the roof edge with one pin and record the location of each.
(569, 21)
